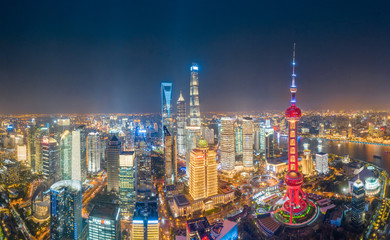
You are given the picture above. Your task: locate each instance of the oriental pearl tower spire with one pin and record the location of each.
(296, 201)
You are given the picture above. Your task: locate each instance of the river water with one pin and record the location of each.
(359, 151)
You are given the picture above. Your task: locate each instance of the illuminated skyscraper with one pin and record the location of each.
(93, 152)
(79, 154)
(238, 138)
(181, 126)
(126, 183)
(307, 162)
(51, 160)
(358, 202)
(170, 158)
(322, 130)
(262, 137)
(104, 222)
(166, 105)
(269, 140)
(322, 163)
(66, 155)
(247, 146)
(227, 144)
(203, 180)
(113, 151)
(193, 130)
(145, 221)
(194, 97)
(65, 210)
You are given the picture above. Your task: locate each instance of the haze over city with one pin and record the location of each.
(62, 57)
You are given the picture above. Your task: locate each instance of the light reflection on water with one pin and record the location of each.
(359, 151)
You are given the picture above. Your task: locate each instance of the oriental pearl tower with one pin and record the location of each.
(296, 205)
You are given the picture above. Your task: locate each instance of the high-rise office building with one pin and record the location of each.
(247, 146)
(126, 183)
(93, 152)
(65, 210)
(322, 130)
(51, 160)
(145, 221)
(166, 105)
(227, 144)
(181, 126)
(203, 181)
(194, 97)
(144, 172)
(32, 132)
(79, 154)
(208, 134)
(193, 130)
(262, 137)
(307, 163)
(322, 163)
(170, 158)
(66, 155)
(269, 140)
(113, 151)
(104, 222)
(358, 202)
(238, 138)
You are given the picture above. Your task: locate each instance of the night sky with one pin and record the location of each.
(110, 56)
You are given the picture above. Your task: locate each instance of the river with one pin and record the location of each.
(357, 151)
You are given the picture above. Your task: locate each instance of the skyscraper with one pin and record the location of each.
(104, 222)
(203, 181)
(79, 154)
(269, 140)
(193, 130)
(113, 151)
(126, 183)
(238, 138)
(145, 221)
(66, 155)
(322, 163)
(262, 137)
(170, 158)
(166, 105)
(51, 160)
(181, 126)
(93, 152)
(194, 97)
(358, 202)
(247, 148)
(65, 210)
(307, 163)
(228, 156)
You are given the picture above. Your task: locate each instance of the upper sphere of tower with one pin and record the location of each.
(293, 113)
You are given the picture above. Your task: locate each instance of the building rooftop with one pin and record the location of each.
(181, 200)
(105, 211)
(200, 225)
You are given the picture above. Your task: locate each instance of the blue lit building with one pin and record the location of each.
(166, 105)
(65, 210)
(358, 202)
(145, 221)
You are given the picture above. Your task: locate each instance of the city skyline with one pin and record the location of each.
(113, 58)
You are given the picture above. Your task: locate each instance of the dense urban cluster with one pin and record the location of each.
(180, 174)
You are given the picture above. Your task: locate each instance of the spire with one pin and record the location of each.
(293, 88)
(181, 99)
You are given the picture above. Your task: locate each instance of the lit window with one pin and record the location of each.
(292, 134)
(292, 142)
(292, 150)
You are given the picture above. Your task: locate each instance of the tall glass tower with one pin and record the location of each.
(228, 156)
(113, 151)
(93, 152)
(66, 155)
(194, 97)
(181, 125)
(65, 210)
(166, 105)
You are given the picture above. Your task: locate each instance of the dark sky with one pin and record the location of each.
(110, 56)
